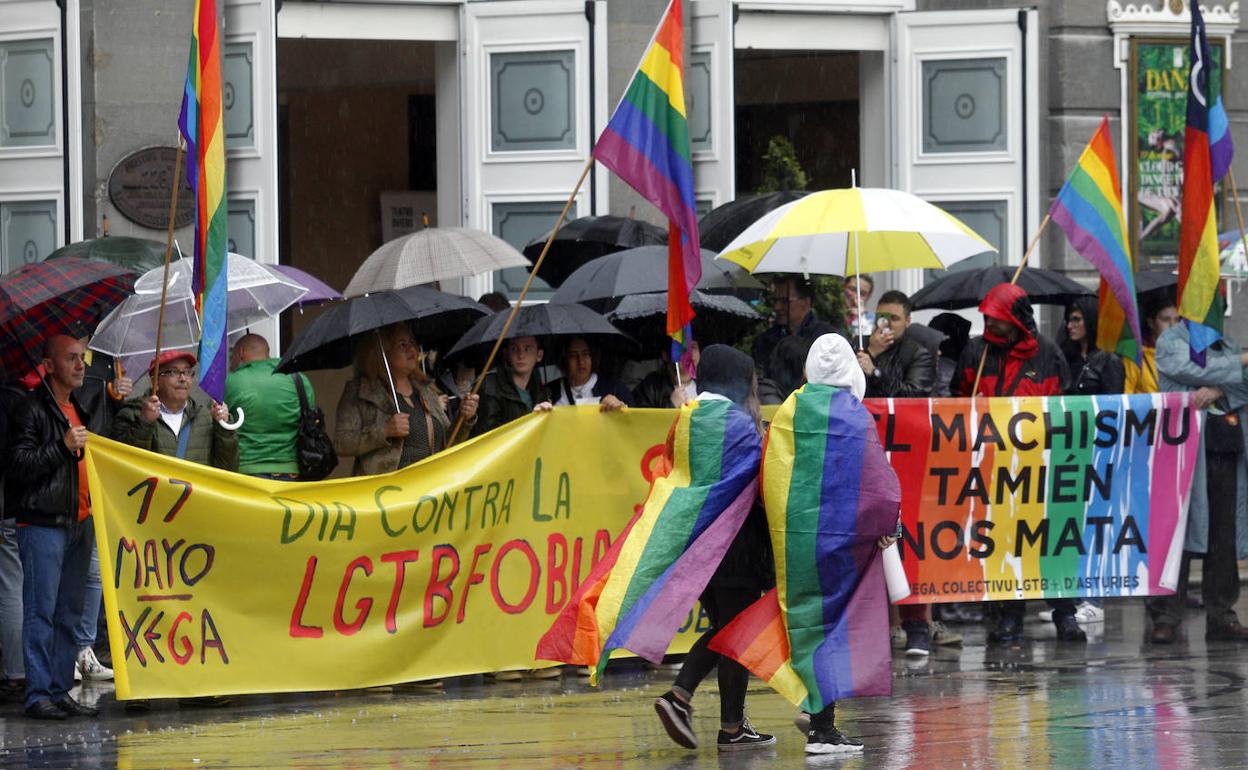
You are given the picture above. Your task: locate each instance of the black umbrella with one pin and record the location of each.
(588, 238)
(1154, 280)
(644, 271)
(138, 254)
(719, 317)
(551, 319)
(966, 288)
(440, 318)
(723, 223)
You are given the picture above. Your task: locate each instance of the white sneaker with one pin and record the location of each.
(89, 668)
(1088, 612)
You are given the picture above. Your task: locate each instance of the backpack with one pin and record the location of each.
(313, 448)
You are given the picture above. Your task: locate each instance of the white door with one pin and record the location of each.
(533, 99)
(249, 99)
(40, 172)
(966, 123)
(709, 102)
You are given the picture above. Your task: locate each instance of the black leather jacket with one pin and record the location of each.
(906, 370)
(41, 485)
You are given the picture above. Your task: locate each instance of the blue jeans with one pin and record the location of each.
(55, 561)
(84, 634)
(10, 601)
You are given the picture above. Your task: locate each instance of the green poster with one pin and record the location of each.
(1159, 110)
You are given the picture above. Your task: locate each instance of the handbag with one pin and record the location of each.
(313, 448)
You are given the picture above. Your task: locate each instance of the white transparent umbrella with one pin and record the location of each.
(254, 292)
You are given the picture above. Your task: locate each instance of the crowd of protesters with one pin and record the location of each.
(400, 406)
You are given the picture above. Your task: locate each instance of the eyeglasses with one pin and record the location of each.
(177, 373)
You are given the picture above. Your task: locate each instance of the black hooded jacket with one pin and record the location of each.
(1102, 373)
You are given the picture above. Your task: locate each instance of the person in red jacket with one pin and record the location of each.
(1019, 362)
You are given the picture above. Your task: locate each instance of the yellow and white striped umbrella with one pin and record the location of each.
(856, 230)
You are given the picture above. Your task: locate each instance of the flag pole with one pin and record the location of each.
(1035, 240)
(164, 284)
(1239, 212)
(515, 308)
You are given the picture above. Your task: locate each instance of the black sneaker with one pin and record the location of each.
(918, 640)
(745, 738)
(677, 719)
(1068, 629)
(1009, 630)
(829, 740)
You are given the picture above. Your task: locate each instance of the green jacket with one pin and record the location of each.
(207, 444)
(270, 404)
(501, 402)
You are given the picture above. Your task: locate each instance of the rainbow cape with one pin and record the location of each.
(201, 125)
(637, 596)
(1089, 209)
(1201, 301)
(646, 144)
(822, 634)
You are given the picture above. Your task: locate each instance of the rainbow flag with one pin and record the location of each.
(646, 144)
(1089, 209)
(1201, 301)
(201, 127)
(830, 494)
(637, 596)
(1221, 146)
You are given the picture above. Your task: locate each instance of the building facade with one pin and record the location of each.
(351, 122)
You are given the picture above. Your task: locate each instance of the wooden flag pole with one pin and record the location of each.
(164, 285)
(1035, 239)
(1239, 212)
(515, 308)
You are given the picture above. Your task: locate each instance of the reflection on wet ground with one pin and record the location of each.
(1121, 703)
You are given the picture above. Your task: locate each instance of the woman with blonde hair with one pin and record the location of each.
(391, 414)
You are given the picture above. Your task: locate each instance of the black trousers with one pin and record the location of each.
(1219, 585)
(1018, 608)
(722, 604)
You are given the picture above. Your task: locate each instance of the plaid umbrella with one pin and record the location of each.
(64, 296)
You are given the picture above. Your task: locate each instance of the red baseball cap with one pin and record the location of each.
(169, 356)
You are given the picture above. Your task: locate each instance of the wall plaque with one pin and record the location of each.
(139, 187)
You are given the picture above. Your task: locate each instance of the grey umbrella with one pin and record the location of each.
(432, 254)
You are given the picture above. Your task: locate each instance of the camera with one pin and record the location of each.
(452, 403)
(883, 322)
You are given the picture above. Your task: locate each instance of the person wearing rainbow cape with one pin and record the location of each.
(832, 502)
(699, 534)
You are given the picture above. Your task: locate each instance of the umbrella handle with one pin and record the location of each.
(108, 387)
(233, 425)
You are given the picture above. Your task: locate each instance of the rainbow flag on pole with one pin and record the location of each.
(646, 144)
(830, 494)
(1201, 302)
(637, 596)
(201, 127)
(1089, 209)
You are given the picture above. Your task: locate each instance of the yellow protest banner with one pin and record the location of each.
(218, 583)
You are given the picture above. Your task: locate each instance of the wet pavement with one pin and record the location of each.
(1119, 703)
